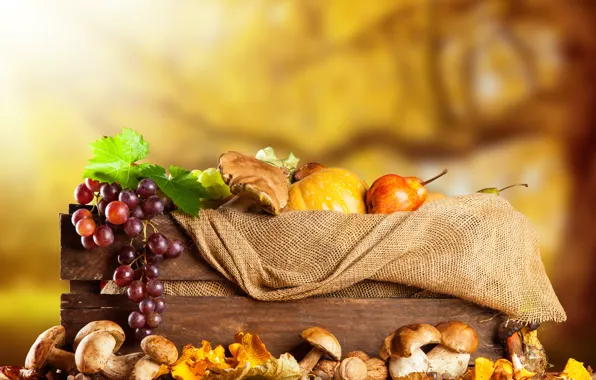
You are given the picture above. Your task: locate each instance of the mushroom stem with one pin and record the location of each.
(120, 367)
(451, 364)
(145, 369)
(61, 359)
(310, 360)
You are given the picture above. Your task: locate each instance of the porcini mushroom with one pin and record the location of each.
(158, 350)
(352, 368)
(403, 349)
(323, 342)
(96, 344)
(251, 178)
(451, 357)
(45, 351)
(18, 373)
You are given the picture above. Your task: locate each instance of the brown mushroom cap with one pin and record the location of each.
(94, 351)
(251, 178)
(43, 345)
(385, 350)
(323, 340)
(160, 349)
(107, 326)
(409, 338)
(458, 336)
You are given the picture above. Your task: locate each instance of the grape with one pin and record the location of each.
(157, 243)
(143, 332)
(136, 320)
(101, 206)
(103, 235)
(92, 185)
(146, 306)
(151, 271)
(146, 188)
(127, 255)
(137, 212)
(168, 204)
(109, 192)
(160, 304)
(133, 227)
(81, 213)
(123, 275)
(154, 288)
(152, 206)
(117, 212)
(152, 258)
(129, 197)
(85, 227)
(138, 274)
(136, 291)
(175, 249)
(153, 319)
(87, 242)
(82, 194)
(114, 227)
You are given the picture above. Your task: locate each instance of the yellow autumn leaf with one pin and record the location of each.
(248, 349)
(196, 362)
(575, 370)
(284, 368)
(503, 370)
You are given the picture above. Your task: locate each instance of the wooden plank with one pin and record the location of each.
(84, 287)
(359, 324)
(77, 263)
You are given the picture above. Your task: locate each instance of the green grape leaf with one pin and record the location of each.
(114, 158)
(181, 186)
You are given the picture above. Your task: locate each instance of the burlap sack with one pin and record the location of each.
(474, 247)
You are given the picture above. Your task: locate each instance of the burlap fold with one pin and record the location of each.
(474, 247)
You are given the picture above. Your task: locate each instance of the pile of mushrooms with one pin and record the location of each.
(357, 365)
(454, 341)
(94, 357)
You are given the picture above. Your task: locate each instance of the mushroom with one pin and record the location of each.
(452, 355)
(251, 178)
(323, 342)
(45, 351)
(18, 373)
(352, 368)
(403, 349)
(158, 350)
(96, 344)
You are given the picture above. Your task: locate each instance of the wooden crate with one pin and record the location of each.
(359, 324)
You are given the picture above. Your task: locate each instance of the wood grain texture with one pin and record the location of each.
(359, 324)
(77, 263)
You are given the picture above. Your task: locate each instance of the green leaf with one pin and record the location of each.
(114, 158)
(181, 186)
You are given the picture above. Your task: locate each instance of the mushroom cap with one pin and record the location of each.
(458, 336)
(43, 345)
(94, 351)
(160, 349)
(108, 326)
(385, 350)
(251, 178)
(411, 337)
(323, 340)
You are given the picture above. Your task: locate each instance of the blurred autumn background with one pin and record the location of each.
(499, 92)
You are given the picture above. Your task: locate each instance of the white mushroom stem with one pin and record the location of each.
(145, 369)
(447, 362)
(400, 367)
(311, 359)
(120, 367)
(61, 359)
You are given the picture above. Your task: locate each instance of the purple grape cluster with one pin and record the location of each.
(139, 261)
